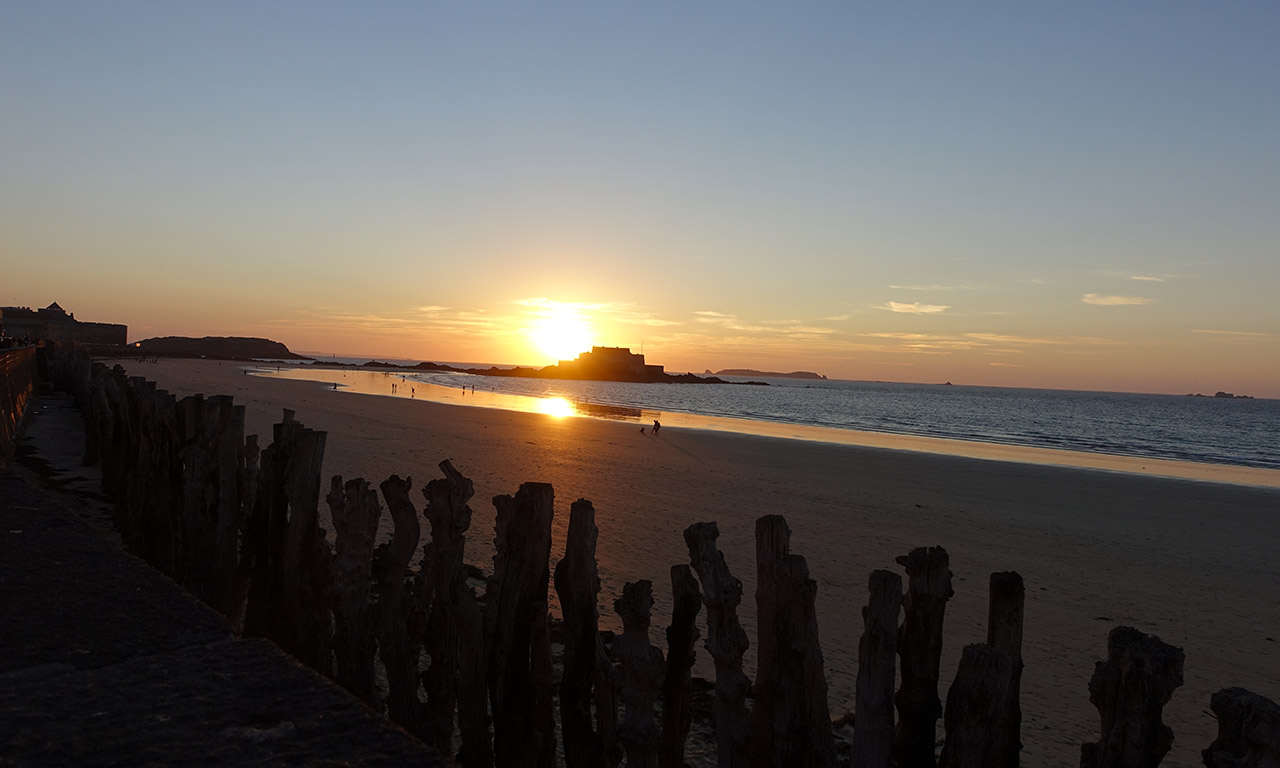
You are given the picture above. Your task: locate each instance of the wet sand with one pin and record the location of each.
(1189, 560)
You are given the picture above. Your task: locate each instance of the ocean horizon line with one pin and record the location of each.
(350, 360)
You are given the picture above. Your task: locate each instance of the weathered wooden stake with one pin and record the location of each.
(977, 708)
(399, 613)
(291, 594)
(873, 731)
(450, 517)
(642, 673)
(1248, 731)
(920, 649)
(578, 585)
(606, 682)
(1004, 631)
(791, 722)
(355, 512)
(515, 608)
(1130, 690)
(726, 642)
(682, 636)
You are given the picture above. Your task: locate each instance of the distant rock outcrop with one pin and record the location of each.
(223, 347)
(768, 374)
(1223, 396)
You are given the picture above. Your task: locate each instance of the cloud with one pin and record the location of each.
(904, 336)
(1113, 301)
(999, 338)
(1005, 365)
(925, 287)
(1147, 278)
(805, 329)
(708, 316)
(1234, 333)
(914, 308)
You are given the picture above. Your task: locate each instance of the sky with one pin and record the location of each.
(1070, 195)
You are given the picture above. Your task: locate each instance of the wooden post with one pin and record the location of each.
(473, 710)
(773, 541)
(1248, 731)
(873, 734)
(578, 585)
(607, 684)
(450, 518)
(398, 614)
(920, 650)
(515, 607)
(455, 628)
(247, 490)
(642, 673)
(1130, 690)
(791, 722)
(977, 708)
(682, 636)
(291, 594)
(726, 642)
(1004, 631)
(355, 512)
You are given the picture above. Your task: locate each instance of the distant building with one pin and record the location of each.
(53, 323)
(610, 364)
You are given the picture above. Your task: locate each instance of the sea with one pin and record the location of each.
(1231, 431)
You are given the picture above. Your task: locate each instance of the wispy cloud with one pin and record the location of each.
(927, 287)
(1113, 301)
(709, 316)
(1147, 278)
(1253, 334)
(914, 308)
(1005, 365)
(806, 330)
(1001, 338)
(903, 336)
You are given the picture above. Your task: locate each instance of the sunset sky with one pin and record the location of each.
(1069, 195)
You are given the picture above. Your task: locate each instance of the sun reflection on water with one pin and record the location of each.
(555, 406)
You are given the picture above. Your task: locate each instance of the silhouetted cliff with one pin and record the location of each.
(225, 347)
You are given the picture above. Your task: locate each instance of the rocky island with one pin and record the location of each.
(219, 347)
(768, 374)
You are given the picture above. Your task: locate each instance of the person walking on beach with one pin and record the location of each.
(656, 426)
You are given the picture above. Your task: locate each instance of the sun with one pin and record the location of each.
(560, 332)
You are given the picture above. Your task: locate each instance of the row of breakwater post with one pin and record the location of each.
(239, 527)
(19, 374)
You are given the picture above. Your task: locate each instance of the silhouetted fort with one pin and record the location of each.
(53, 323)
(610, 364)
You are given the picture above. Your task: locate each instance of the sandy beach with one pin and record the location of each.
(1191, 561)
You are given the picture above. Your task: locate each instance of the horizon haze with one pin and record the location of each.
(1074, 197)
